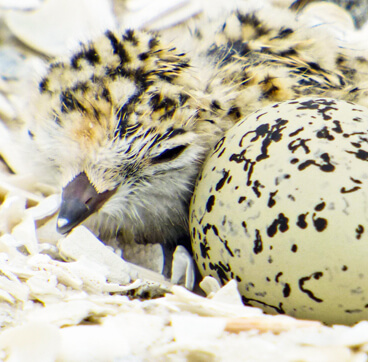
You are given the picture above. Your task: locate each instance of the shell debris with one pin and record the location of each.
(50, 17)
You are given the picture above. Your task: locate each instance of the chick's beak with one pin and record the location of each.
(79, 200)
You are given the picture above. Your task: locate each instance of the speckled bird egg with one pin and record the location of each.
(281, 206)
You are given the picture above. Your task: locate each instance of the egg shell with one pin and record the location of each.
(281, 207)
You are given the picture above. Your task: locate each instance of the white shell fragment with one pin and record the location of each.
(44, 29)
(47, 233)
(34, 341)
(82, 243)
(159, 14)
(95, 343)
(209, 285)
(20, 4)
(193, 330)
(25, 234)
(7, 111)
(183, 268)
(280, 207)
(48, 206)
(329, 17)
(12, 211)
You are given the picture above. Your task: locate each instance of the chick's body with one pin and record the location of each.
(135, 116)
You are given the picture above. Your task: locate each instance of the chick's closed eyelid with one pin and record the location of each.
(168, 154)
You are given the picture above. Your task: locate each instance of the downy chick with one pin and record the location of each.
(127, 120)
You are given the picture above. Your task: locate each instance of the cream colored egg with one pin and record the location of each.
(281, 206)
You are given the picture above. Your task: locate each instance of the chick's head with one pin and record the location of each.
(120, 121)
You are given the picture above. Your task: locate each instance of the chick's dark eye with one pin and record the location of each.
(169, 154)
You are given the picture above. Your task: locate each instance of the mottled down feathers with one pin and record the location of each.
(137, 115)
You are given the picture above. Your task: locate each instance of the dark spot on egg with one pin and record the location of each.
(218, 145)
(256, 188)
(210, 203)
(343, 190)
(206, 228)
(292, 134)
(360, 154)
(359, 231)
(337, 127)
(293, 161)
(204, 250)
(277, 276)
(287, 290)
(324, 133)
(301, 221)
(222, 181)
(350, 311)
(221, 271)
(271, 201)
(241, 199)
(299, 142)
(320, 206)
(356, 144)
(319, 223)
(327, 166)
(356, 180)
(281, 223)
(221, 153)
(258, 246)
(304, 280)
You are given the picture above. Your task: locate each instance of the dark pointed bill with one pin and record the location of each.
(79, 200)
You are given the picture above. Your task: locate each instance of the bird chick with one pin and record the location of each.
(119, 122)
(127, 120)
